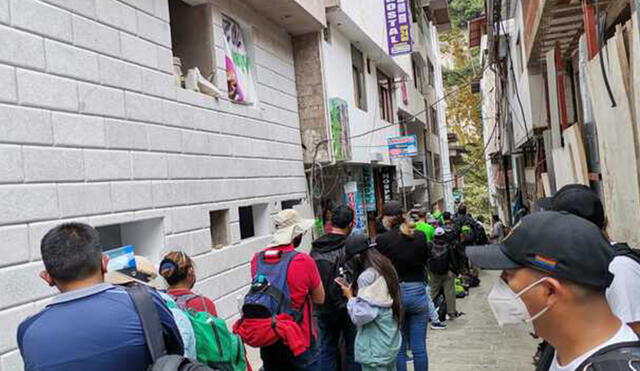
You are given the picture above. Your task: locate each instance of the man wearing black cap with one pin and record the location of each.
(555, 272)
(622, 295)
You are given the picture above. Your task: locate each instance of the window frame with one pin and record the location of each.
(359, 80)
(385, 96)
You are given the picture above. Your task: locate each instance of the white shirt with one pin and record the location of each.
(623, 335)
(622, 295)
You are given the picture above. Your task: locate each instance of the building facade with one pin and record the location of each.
(559, 105)
(104, 120)
(354, 96)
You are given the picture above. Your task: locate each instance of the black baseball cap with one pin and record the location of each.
(558, 243)
(357, 243)
(576, 199)
(392, 208)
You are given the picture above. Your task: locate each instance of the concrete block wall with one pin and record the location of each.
(93, 129)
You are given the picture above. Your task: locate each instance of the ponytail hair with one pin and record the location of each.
(175, 267)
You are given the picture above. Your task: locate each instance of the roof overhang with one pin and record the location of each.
(296, 16)
(477, 27)
(361, 40)
(439, 10)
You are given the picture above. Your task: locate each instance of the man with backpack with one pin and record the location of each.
(555, 272)
(443, 269)
(278, 309)
(92, 325)
(621, 295)
(332, 317)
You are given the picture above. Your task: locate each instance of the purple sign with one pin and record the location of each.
(398, 26)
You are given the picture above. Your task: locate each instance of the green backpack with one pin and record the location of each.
(216, 346)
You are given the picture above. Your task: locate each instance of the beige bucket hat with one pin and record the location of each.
(289, 225)
(145, 274)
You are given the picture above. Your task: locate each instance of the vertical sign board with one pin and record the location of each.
(398, 19)
(353, 200)
(339, 111)
(387, 184)
(237, 63)
(369, 189)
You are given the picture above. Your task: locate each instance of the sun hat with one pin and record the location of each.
(289, 225)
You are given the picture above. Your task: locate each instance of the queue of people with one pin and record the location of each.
(354, 302)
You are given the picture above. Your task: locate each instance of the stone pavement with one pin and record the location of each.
(475, 342)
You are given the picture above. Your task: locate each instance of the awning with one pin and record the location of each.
(477, 27)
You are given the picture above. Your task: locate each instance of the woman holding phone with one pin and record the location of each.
(374, 305)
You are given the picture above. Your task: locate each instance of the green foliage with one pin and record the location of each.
(462, 11)
(476, 195)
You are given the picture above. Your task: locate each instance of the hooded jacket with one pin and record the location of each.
(329, 253)
(378, 339)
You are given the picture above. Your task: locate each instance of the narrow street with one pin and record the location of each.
(475, 342)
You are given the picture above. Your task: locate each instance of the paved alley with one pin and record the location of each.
(475, 342)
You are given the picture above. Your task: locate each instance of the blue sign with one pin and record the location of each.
(121, 259)
(405, 146)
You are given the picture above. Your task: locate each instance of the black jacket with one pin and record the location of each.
(329, 253)
(408, 254)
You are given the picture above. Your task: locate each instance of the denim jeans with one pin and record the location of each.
(331, 326)
(278, 357)
(433, 315)
(414, 326)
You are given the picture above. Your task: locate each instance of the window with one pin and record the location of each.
(239, 62)
(437, 169)
(146, 236)
(192, 37)
(219, 222)
(433, 119)
(253, 221)
(418, 74)
(360, 93)
(289, 204)
(432, 76)
(385, 96)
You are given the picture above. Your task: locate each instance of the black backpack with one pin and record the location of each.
(440, 260)
(332, 265)
(481, 235)
(154, 338)
(468, 230)
(623, 249)
(616, 357)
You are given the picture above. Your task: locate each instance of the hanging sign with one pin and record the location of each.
(404, 146)
(398, 19)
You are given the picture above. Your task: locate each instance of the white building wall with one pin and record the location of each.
(93, 129)
(339, 83)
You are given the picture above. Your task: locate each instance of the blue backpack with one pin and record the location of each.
(269, 293)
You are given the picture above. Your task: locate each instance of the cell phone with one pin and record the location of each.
(342, 282)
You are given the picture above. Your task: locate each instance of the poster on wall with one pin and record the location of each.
(237, 63)
(369, 189)
(339, 110)
(353, 200)
(398, 19)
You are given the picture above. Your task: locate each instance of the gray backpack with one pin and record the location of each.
(153, 335)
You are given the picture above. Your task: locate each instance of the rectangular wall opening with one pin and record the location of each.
(192, 37)
(219, 222)
(146, 236)
(254, 220)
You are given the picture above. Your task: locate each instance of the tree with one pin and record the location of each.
(464, 115)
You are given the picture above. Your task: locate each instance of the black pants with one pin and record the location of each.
(278, 357)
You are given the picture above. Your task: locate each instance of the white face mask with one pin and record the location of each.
(508, 307)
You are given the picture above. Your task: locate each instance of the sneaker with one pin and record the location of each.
(438, 325)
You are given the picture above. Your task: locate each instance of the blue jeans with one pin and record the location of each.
(414, 326)
(331, 326)
(279, 357)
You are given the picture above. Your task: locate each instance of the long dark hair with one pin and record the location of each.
(374, 259)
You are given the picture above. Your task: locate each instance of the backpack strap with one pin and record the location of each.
(620, 356)
(182, 300)
(623, 249)
(150, 320)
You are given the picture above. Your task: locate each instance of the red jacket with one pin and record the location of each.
(261, 332)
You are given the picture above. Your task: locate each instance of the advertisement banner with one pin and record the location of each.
(353, 200)
(398, 19)
(369, 189)
(339, 111)
(404, 146)
(237, 63)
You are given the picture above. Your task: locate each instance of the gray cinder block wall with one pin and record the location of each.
(93, 129)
